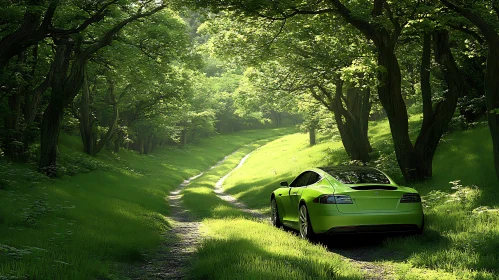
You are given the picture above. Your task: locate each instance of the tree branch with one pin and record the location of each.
(468, 31)
(98, 16)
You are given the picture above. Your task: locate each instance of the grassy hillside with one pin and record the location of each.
(461, 240)
(84, 226)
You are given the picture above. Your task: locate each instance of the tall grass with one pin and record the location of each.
(89, 225)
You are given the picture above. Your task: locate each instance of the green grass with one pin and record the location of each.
(112, 212)
(461, 240)
(236, 246)
(89, 225)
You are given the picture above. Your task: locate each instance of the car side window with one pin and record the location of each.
(314, 178)
(301, 180)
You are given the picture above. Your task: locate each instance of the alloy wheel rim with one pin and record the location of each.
(303, 222)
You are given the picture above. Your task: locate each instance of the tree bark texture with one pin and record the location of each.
(312, 136)
(86, 122)
(352, 121)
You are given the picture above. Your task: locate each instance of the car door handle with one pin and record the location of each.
(280, 194)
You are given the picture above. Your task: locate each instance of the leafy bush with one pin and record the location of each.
(74, 164)
(466, 196)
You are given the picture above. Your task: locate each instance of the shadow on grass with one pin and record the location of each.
(376, 247)
(373, 247)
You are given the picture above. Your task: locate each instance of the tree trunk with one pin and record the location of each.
(311, 134)
(425, 79)
(49, 136)
(492, 99)
(64, 89)
(352, 122)
(118, 141)
(86, 123)
(183, 140)
(113, 123)
(390, 95)
(434, 127)
(359, 105)
(12, 146)
(140, 145)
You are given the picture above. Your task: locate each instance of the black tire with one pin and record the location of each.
(306, 231)
(274, 212)
(420, 230)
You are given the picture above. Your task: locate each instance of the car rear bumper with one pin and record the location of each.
(367, 222)
(368, 229)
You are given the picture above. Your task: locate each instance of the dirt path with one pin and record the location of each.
(181, 242)
(232, 200)
(364, 257)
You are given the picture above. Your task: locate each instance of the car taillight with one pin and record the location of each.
(333, 199)
(410, 198)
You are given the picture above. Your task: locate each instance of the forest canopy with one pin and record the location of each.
(142, 74)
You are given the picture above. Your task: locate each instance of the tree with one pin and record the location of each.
(306, 57)
(381, 23)
(479, 15)
(68, 70)
(19, 35)
(135, 64)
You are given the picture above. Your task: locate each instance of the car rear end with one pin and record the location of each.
(367, 208)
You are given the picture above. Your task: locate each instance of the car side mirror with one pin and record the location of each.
(284, 184)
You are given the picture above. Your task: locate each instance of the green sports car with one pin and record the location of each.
(346, 199)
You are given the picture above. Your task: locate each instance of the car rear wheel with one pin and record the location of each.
(276, 221)
(306, 230)
(420, 230)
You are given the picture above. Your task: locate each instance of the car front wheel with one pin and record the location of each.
(275, 213)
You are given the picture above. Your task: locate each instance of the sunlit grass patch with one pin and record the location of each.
(246, 249)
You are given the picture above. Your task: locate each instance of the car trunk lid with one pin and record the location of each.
(375, 198)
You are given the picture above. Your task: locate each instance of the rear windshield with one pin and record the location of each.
(359, 176)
